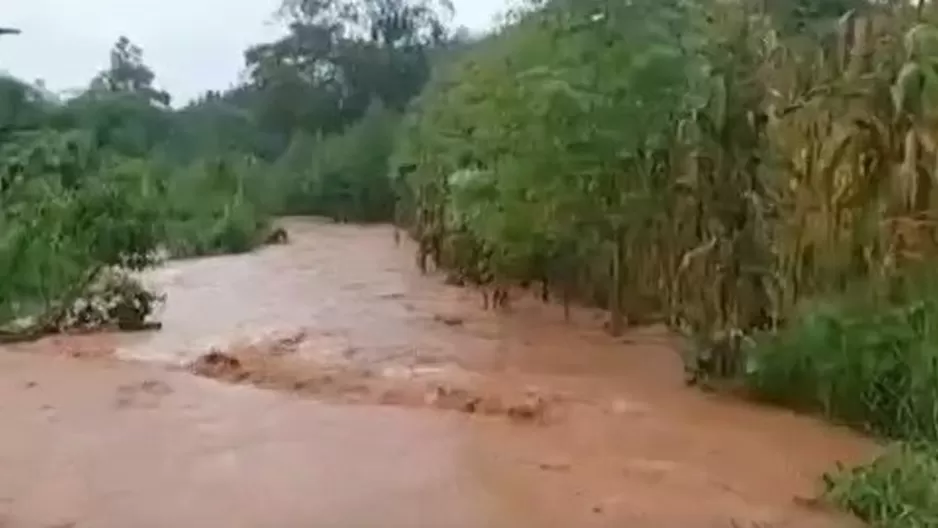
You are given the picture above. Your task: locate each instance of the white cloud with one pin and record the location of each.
(192, 45)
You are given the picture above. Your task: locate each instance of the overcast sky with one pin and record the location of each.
(192, 45)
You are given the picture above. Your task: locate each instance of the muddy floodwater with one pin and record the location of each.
(326, 383)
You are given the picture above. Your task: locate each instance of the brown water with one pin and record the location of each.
(340, 315)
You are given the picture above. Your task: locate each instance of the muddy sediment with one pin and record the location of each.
(462, 417)
(267, 365)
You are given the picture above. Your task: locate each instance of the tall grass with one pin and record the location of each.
(897, 490)
(68, 213)
(216, 207)
(343, 176)
(861, 359)
(869, 359)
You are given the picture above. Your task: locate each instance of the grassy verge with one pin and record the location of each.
(870, 361)
(897, 490)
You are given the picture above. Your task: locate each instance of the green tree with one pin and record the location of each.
(338, 57)
(128, 74)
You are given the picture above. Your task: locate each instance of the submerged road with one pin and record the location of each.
(105, 431)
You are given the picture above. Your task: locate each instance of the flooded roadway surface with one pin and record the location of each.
(358, 393)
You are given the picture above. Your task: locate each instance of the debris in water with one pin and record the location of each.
(277, 236)
(144, 394)
(216, 364)
(532, 408)
(449, 320)
(289, 344)
(448, 398)
(811, 503)
(157, 387)
(554, 466)
(391, 296)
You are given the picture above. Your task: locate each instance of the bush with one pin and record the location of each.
(214, 208)
(869, 359)
(897, 490)
(114, 299)
(862, 359)
(69, 212)
(343, 176)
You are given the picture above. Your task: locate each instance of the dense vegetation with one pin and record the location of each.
(90, 192)
(111, 180)
(732, 167)
(736, 168)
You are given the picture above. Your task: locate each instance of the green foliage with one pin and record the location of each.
(113, 176)
(21, 107)
(324, 98)
(71, 210)
(868, 359)
(338, 56)
(92, 188)
(127, 74)
(125, 123)
(719, 163)
(66, 215)
(860, 360)
(215, 207)
(561, 116)
(343, 176)
(216, 125)
(897, 490)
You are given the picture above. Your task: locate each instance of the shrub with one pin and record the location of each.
(343, 176)
(869, 359)
(215, 207)
(861, 359)
(897, 490)
(69, 213)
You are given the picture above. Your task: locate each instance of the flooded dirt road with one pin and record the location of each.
(354, 392)
(117, 446)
